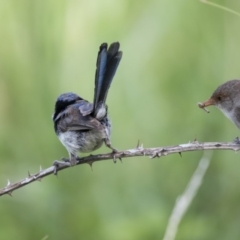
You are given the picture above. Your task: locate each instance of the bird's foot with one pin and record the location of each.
(114, 150)
(60, 163)
(64, 162)
(236, 140)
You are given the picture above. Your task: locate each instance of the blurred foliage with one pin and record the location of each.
(175, 54)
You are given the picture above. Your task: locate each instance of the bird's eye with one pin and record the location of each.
(219, 98)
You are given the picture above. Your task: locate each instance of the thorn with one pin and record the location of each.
(10, 193)
(90, 164)
(138, 143)
(180, 154)
(195, 141)
(40, 168)
(39, 179)
(29, 175)
(120, 160)
(8, 183)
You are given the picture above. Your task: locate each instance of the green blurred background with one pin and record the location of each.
(175, 54)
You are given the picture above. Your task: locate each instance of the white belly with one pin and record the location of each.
(76, 142)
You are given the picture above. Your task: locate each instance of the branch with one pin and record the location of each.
(136, 152)
(220, 7)
(183, 202)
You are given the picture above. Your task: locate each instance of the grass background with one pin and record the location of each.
(175, 53)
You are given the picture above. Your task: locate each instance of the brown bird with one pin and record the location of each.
(227, 98)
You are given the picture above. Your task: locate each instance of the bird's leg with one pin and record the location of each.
(114, 150)
(73, 160)
(108, 144)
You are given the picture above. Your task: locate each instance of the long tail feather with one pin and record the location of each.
(107, 63)
(100, 72)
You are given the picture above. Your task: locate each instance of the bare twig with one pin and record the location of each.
(201, 105)
(183, 202)
(136, 152)
(220, 7)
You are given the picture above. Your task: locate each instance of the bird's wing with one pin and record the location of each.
(73, 120)
(85, 107)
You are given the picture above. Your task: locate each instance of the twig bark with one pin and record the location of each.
(136, 152)
(183, 202)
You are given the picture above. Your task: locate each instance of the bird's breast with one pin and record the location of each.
(82, 141)
(233, 115)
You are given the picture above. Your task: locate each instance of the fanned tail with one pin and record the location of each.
(107, 62)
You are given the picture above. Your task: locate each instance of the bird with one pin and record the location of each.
(226, 97)
(82, 126)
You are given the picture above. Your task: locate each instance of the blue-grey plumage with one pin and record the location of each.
(82, 126)
(78, 132)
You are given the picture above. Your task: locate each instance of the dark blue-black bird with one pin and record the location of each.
(82, 126)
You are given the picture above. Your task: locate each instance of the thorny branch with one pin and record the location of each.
(136, 152)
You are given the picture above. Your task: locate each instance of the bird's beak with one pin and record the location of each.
(209, 102)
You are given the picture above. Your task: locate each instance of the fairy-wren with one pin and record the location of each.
(82, 126)
(227, 98)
